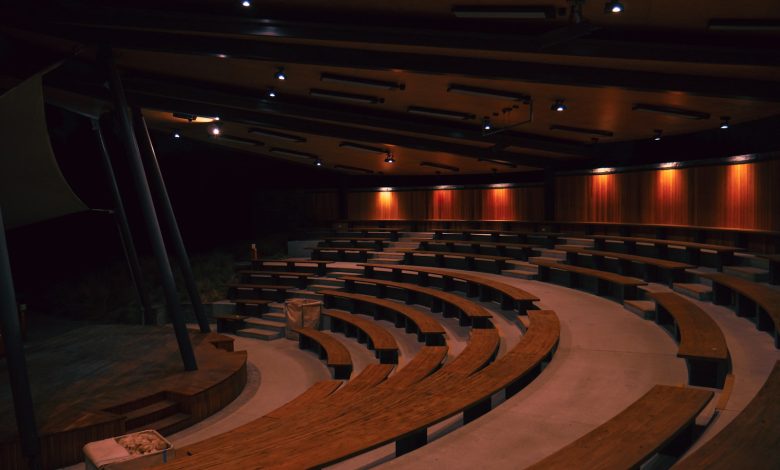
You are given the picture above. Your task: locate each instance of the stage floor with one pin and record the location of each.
(87, 381)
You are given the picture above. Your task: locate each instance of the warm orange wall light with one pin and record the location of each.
(669, 201)
(740, 194)
(497, 204)
(442, 204)
(386, 205)
(603, 203)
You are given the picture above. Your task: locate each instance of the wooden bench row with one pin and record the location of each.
(301, 279)
(616, 285)
(549, 239)
(290, 264)
(474, 285)
(724, 255)
(365, 331)
(655, 269)
(341, 252)
(496, 263)
(329, 348)
(513, 250)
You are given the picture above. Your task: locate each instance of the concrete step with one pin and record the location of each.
(402, 244)
(693, 274)
(167, 425)
(223, 307)
(275, 307)
(528, 275)
(696, 291)
(327, 281)
(557, 255)
(577, 241)
(150, 413)
(257, 333)
(747, 272)
(265, 323)
(644, 308)
(644, 290)
(279, 317)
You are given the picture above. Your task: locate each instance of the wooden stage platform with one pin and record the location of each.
(99, 381)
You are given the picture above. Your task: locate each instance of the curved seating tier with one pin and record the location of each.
(702, 344)
(519, 250)
(277, 292)
(366, 331)
(623, 287)
(774, 267)
(760, 302)
(320, 266)
(341, 252)
(497, 263)
(723, 254)
(381, 415)
(424, 363)
(276, 276)
(508, 296)
(655, 269)
(549, 238)
(663, 418)
(327, 347)
(751, 440)
(449, 304)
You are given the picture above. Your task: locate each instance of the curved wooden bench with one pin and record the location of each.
(328, 348)
(510, 297)
(320, 266)
(341, 252)
(524, 249)
(723, 254)
(261, 305)
(371, 376)
(623, 287)
(427, 328)
(480, 351)
(499, 262)
(760, 302)
(550, 238)
(280, 291)
(469, 313)
(378, 242)
(316, 392)
(366, 331)
(673, 271)
(702, 344)
(663, 418)
(751, 440)
(381, 416)
(425, 362)
(774, 267)
(366, 230)
(276, 276)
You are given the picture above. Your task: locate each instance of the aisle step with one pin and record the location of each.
(644, 308)
(257, 333)
(167, 425)
(748, 272)
(696, 291)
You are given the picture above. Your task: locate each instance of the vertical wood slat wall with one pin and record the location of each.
(744, 196)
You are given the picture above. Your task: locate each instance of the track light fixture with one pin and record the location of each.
(613, 7)
(215, 130)
(558, 106)
(318, 162)
(486, 124)
(658, 134)
(389, 158)
(280, 75)
(175, 134)
(271, 93)
(724, 122)
(246, 4)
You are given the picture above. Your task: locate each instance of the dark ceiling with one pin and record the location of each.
(371, 73)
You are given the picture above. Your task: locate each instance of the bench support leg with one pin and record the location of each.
(477, 410)
(411, 442)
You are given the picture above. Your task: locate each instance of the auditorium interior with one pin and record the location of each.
(343, 234)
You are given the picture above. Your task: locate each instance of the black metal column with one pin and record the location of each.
(169, 218)
(124, 231)
(150, 217)
(17, 366)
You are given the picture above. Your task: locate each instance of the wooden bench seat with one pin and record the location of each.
(427, 361)
(480, 350)
(521, 250)
(624, 288)
(498, 262)
(655, 269)
(750, 299)
(341, 252)
(313, 394)
(774, 267)
(661, 419)
(702, 343)
(427, 328)
(378, 242)
(276, 276)
(320, 266)
(550, 238)
(371, 376)
(366, 331)
(329, 348)
(366, 230)
(509, 297)
(279, 291)
(751, 440)
(468, 312)
(723, 254)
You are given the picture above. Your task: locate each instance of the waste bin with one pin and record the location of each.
(132, 451)
(301, 313)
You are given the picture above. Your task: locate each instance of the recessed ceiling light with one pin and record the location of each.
(176, 135)
(658, 134)
(724, 122)
(486, 124)
(271, 93)
(389, 158)
(613, 7)
(280, 75)
(318, 162)
(246, 4)
(214, 130)
(558, 106)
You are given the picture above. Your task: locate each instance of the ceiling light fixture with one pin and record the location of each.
(658, 134)
(389, 158)
(504, 12)
(246, 4)
(335, 95)
(277, 135)
(581, 130)
(487, 93)
(439, 165)
(214, 130)
(613, 7)
(318, 162)
(602, 171)
(280, 75)
(271, 93)
(361, 147)
(668, 165)
(385, 85)
(558, 106)
(486, 124)
(439, 113)
(677, 112)
(724, 122)
(176, 135)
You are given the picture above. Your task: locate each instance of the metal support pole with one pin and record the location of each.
(125, 236)
(17, 365)
(169, 219)
(149, 214)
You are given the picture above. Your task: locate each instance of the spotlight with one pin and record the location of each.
(280, 74)
(176, 135)
(658, 133)
(613, 7)
(246, 4)
(214, 130)
(486, 124)
(389, 158)
(318, 162)
(271, 93)
(724, 122)
(558, 106)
